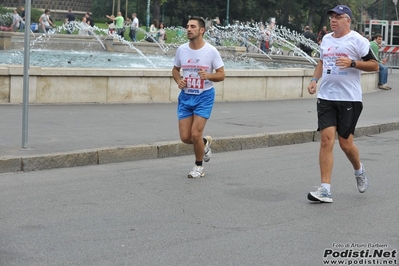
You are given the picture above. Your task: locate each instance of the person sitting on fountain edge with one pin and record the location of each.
(45, 22)
(16, 20)
(89, 22)
(22, 25)
(310, 36)
(375, 45)
(153, 31)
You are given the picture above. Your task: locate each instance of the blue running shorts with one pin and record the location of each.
(200, 105)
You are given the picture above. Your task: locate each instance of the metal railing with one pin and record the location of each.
(392, 53)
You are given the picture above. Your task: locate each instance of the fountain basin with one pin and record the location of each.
(95, 85)
(146, 85)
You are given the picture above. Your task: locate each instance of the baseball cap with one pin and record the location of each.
(341, 9)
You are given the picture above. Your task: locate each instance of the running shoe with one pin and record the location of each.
(197, 172)
(362, 182)
(320, 195)
(207, 149)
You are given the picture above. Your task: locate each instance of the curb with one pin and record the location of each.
(168, 149)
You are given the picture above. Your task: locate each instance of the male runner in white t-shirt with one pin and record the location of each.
(198, 60)
(344, 54)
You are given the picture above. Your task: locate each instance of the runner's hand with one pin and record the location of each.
(203, 74)
(182, 84)
(312, 87)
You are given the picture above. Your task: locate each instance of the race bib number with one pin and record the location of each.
(195, 83)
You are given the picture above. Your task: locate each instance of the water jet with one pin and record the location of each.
(146, 74)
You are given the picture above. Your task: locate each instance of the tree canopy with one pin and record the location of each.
(292, 14)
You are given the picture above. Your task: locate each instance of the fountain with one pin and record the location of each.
(141, 72)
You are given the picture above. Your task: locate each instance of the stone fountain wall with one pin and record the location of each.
(89, 85)
(78, 85)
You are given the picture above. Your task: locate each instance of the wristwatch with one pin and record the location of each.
(353, 64)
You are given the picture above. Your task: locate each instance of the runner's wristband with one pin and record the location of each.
(315, 79)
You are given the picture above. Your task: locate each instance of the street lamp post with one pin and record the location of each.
(395, 2)
(148, 16)
(126, 6)
(113, 7)
(383, 10)
(227, 13)
(25, 95)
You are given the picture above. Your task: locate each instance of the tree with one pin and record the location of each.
(292, 14)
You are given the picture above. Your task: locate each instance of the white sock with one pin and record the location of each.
(327, 187)
(360, 171)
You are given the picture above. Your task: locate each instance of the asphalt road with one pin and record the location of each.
(249, 209)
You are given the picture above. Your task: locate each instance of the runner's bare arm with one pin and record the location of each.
(215, 77)
(181, 83)
(315, 78)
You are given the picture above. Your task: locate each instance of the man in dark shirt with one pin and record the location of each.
(22, 24)
(308, 35)
(70, 16)
(69, 21)
(89, 20)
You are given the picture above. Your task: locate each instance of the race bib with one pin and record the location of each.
(194, 85)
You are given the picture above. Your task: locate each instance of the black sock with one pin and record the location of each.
(198, 163)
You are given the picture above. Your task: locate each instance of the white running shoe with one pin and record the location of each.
(197, 172)
(362, 182)
(207, 149)
(320, 195)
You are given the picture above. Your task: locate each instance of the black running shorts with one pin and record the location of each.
(344, 115)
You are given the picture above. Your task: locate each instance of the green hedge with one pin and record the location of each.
(35, 14)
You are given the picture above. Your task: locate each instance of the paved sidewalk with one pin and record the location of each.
(88, 134)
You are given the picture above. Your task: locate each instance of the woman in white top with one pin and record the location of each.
(161, 33)
(16, 20)
(154, 29)
(84, 27)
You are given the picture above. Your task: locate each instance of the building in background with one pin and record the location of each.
(58, 8)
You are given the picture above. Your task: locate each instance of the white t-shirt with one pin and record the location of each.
(191, 61)
(16, 19)
(153, 31)
(342, 84)
(45, 20)
(135, 23)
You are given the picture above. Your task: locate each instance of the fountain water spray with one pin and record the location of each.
(247, 35)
